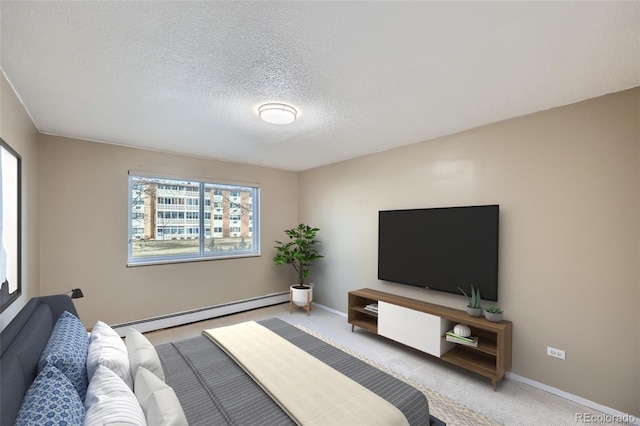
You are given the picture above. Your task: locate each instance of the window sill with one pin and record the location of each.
(188, 260)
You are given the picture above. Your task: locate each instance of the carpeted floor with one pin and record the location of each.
(514, 403)
(446, 409)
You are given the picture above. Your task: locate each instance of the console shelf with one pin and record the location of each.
(359, 316)
(423, 325)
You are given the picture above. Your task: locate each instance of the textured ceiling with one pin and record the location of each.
(188, 77)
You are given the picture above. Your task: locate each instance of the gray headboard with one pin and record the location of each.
(21, 343)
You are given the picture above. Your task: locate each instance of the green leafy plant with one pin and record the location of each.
(474, 300)
(299, 251)
(493, 309)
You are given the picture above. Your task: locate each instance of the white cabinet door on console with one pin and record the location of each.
(417, 329)
(391, 321)
(425, 332)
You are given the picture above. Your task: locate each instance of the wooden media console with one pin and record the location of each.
(422, 325)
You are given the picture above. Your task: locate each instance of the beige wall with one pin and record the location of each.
(17, 129)
(567, 181)
(84, 196)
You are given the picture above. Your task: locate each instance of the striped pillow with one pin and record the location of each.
(107, 348)
(110, 401)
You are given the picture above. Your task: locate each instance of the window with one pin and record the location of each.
(172, 227)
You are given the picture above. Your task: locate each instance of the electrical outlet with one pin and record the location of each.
(557, 353)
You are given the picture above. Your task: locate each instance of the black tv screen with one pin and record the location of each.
(441, 248)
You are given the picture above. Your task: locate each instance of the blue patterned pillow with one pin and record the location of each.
(67, 350)
(51, 400)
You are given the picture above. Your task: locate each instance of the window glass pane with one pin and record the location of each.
(232, 214)
(167, 223)
(162, 220)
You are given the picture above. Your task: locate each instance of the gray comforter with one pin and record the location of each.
(214, 390)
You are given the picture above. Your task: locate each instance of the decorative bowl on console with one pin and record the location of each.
(493, 313)
(474, 312)
(462, 330)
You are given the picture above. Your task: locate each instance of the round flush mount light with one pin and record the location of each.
(277, 113)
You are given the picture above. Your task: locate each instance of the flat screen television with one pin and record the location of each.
(441, 248)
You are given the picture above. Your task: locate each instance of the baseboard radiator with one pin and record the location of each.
(201, 314)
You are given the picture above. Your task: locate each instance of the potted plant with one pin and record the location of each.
(299, 252)
(493, 313)
(473, 302)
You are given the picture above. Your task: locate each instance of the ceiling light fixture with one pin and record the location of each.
(277, 113)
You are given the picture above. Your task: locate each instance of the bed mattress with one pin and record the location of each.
(213, 389)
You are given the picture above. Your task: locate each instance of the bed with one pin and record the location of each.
(210, 386)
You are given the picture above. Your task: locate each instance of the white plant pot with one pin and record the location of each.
(301, 296)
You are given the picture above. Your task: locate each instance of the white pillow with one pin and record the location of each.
(107, 348)
(158, 400)
(109, 401)
(142, 354)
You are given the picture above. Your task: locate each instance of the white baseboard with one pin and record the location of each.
(326, 308)
(611, 415)
(201, 314)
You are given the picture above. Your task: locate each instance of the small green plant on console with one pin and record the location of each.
(493, 313)
(474, 300)
(493, 309)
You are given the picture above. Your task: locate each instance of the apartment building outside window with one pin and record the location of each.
(170, 220)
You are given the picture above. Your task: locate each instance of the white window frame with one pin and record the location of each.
(203, 254)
